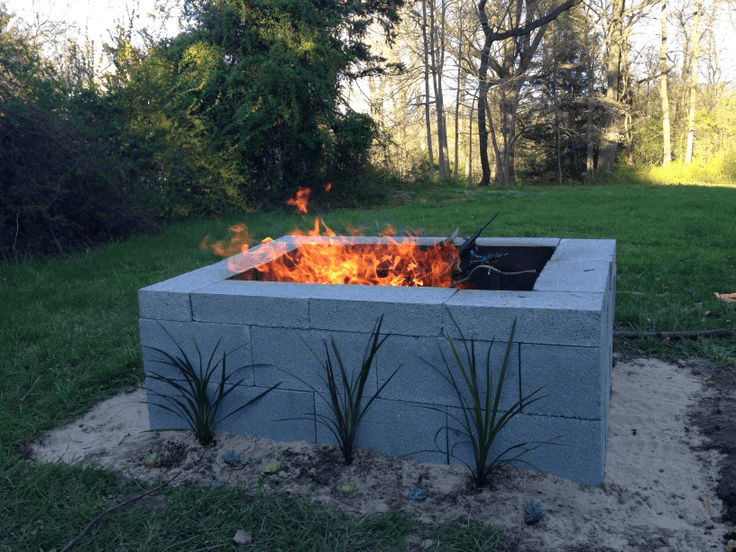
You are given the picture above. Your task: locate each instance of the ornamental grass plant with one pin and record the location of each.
(192, 399)
(345, 395)
(482, 419)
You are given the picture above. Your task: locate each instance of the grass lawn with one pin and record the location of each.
(69, 338)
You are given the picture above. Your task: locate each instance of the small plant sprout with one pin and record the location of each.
(482, 418)
(270, 468)
(190, 398)
(347, 488)
(346, 394)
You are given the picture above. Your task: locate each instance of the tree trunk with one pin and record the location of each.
(663, 94)
(505, 158)
(485, 165)
(589, 134)
(427, 109)
(485, 55)
(459, 98)
(469, 168)
(437, 56)
(695, 41)
(610, 135)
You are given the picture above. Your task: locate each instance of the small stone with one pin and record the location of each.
(534, 512)
(348, 488)
(270, 468)
(418, 494)
(232, 458)
(242, 537)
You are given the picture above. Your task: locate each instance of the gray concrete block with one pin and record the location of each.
(164, 305)
(424, 376)
(398, 429)
(590, 276)
(169, 300)
(168, 416)
(297, 357)
(197, 342)
(565, 447)
(583, 251)
(541, 317)
(281, 415)
(272, 304)
(572, 379)
(406, 310)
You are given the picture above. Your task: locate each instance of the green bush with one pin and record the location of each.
(63, 184)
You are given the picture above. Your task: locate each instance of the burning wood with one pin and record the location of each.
(339, 260)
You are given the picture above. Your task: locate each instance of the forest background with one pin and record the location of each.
(247, 101)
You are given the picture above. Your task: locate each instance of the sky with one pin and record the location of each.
(98, 16)
(95, 19)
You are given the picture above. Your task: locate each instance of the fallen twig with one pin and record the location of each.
(693, 334)
(102, 515)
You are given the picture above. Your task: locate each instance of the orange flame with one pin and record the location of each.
(301, 200)
(338, 259)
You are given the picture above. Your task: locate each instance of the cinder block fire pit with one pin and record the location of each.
(563, 341)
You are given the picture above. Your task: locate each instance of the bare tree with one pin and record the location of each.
(437, 59)
(663, 92)
(694, 64)
(427, 105)
(518, 21)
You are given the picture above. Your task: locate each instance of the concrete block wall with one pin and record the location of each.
(276, 333)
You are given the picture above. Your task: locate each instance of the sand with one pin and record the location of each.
(659, 491)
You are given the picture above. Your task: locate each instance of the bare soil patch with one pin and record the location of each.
(670, 468)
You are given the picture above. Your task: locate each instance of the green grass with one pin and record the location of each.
(69, 338)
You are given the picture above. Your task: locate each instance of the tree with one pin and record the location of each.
(253, 94)
(515, 23)
(63, 180)
(663, 92)
(693, 89)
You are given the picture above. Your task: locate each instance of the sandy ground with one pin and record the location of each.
(659, 492)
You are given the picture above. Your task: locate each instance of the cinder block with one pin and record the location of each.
(169, 300)
(541, 317)
(569, 448)
(281, 415)
(571, 377)
(584, 251)
(405, 310)
(590, 276)
(180, 339)
(424, 376)
(271, 304)
(398, 428)
(162, 417)
(296, 357)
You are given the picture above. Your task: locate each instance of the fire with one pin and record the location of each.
(333, 259)
(301, 200)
